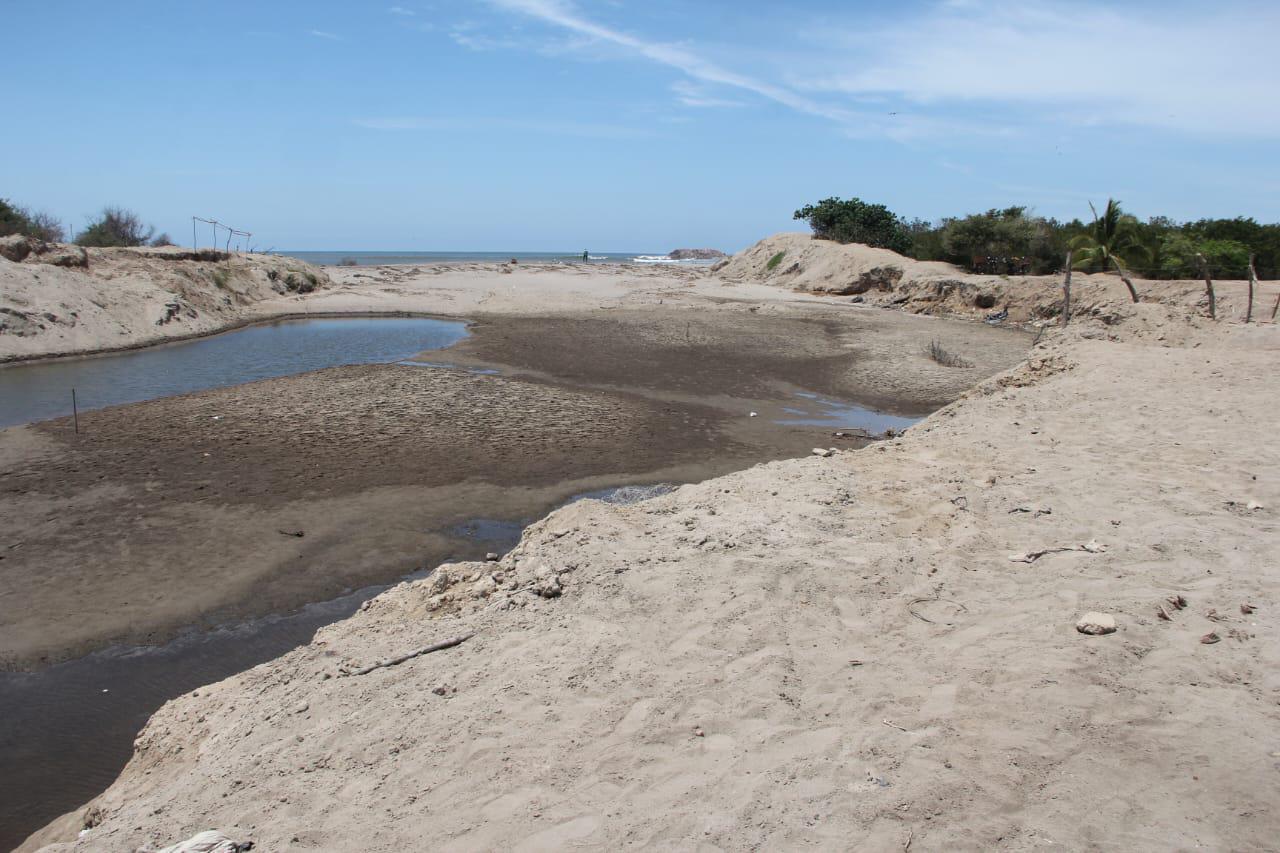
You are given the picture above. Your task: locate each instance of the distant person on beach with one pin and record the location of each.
(585, 257)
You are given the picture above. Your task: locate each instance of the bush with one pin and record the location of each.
(19, 220)
(856, 221)
(774, 261)
(162, 240)
(116, 227)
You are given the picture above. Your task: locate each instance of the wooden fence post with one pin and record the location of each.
(1208, 286)
(1253, 280)
(1066, 291)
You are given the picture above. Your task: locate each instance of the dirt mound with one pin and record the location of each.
(1100, 304)
(57, 298)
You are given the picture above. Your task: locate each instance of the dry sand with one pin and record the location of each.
(830, 652)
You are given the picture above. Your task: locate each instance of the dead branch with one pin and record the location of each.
(425, 650)
(1092, 547)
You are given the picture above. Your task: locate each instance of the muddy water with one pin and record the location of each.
(42, 390)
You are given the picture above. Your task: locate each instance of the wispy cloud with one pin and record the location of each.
(564, 16)
(513, 125)
(692, 95)
(1081, 64)
(321, 34)
(400, 10)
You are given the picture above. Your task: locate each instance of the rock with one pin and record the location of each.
(858, 300)
(491, 557)
(60, 255)
(484, 587)
(985, 300)
(877, 278)
(823, 451)
(14, 247)
(548, 588)
(301, 708)
(1096, 624)
(695, 254)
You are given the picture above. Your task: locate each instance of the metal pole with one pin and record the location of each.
(75, 411)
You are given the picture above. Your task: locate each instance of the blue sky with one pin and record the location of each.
(627, 125)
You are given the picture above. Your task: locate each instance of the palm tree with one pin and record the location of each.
(1110, 242)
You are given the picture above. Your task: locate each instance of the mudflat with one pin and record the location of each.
(254, 499)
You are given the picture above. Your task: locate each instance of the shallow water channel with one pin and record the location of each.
(68, 730)
(41, 390)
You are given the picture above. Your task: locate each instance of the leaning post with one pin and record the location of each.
(1208, 286)
(1066, 291)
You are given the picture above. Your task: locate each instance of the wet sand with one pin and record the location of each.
(185, 511)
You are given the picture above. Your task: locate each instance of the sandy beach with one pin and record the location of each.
(878, 644)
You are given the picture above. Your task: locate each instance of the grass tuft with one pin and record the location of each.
(774, 261)
(936, 352)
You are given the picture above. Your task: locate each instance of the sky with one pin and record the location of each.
(630, 125)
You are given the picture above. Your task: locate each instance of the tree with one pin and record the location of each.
(1004, 233)
(163, 240)
(116, 226)
(1110, 242)
(1180, 253)
(856, 221)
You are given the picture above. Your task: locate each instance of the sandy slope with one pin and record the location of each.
(827, 652)
(126, 298)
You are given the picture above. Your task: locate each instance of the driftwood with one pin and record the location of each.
(1208, 286)
(1066, 291)
(1091, 547)
(1253, 281)
(425, 650)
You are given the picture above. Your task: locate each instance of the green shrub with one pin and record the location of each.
(20, 220)
(116, 226)
(774, 261)
(856, 221)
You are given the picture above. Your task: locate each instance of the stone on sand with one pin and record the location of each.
(1096, 623)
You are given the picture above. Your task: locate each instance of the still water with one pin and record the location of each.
(42, 390)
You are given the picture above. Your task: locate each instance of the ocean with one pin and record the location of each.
(373, 258)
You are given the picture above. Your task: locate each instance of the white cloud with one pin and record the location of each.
(1203, 69)
(321, 34)
(400, 10)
